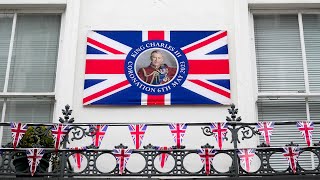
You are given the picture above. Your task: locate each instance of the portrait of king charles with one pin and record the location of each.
(157, 72)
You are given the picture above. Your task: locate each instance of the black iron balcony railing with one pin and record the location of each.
(62, 167)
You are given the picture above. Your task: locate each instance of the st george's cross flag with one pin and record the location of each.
(206, 156)
(98, 133)
(122, 156)
(265, 129)
(291, 154)
(306, 129)
(178, 131)
(17, 132)
(77, 155)
(163, 156)
(59, 131)
(246, 157)
(34, 156)
(219, 131)
(157, 68)
(137, 132)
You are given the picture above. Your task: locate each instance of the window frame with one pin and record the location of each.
(6, 96)
(276, 95)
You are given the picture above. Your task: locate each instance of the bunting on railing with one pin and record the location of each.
(246, 157)
(266, 128)
(34, 156)
(98, 134)
(78, 156)
(137, 132)
(219, 131)
(306, 129)
(206, 156)
(122, 157)
(292, 154)
(17, 131)
(59, 131)
(163, 156)
(178, 131)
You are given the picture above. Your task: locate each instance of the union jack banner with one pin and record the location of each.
(178, 131)
(59, 131)
(163, 156)
(78, 156)
(246, 157)
(122, 157)
(98, 134)
(266, 128)
(306, 129)
(292, 154)
(206, 156)
(34, 156)
(137, 132)
(219, 130)
(120, 70)
(17, 132)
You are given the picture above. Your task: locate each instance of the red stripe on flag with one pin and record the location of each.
(209, 66)
(211, 88)
(103, 46)
(105, 67)
(105, 91)
(155, 100)
(155, 35)
(204, 43)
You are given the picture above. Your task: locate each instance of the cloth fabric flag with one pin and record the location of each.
(306, 129)
(98, 134)
(219, 130)
(292, 154)
(163, 156)
(178, 131)
(34, 156)
(78, 156)
(266, 128)
(246, 157)
(59, 131)
(195, 70)
(122, 157)
(206, 156)
(17, 131)
(137, 132)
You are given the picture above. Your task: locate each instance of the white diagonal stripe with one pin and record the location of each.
(201, 40)
(106, 56)
(208, 76)
(208, 48)
(104, 76)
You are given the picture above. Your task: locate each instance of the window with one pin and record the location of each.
(287, 50)
(28, 59)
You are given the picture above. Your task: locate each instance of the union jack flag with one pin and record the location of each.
(122, 157)
(306, 129)
(206, 156)
(207, 79)
(34, 156)
(292, 154)
(246, 157)
(178, 131)
(59, 131)
(137, 132)
(17, 131)
(163, 156)
(266, 128)
(98, 134)
(219, 130)
(78, 156)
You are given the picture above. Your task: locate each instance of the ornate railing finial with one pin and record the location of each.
(292, 144)
(207, 146)
(66, 113)
(233, 111)
(149, 146)
(121, 146)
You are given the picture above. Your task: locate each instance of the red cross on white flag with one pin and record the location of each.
(292, 154)
(246, 157)
(122, 156)
(34, 156)
(17, 131)
(219, 130)
(306, 129)
(206, 156)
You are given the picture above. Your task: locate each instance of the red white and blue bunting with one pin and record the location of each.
(137, 132)
(206, 156)
(306, 128)
(98, 134)
(78, 156)
(292, 154)
(219, 131)
(246, 157)
(178, 131)
(122, 157)
(163, 156)
(266, 128)
(17, 131)
(34, 156)
(59, 131)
